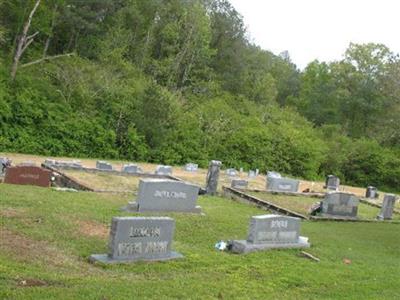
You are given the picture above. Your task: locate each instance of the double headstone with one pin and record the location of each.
(332, 182)
(212, 177)
(279, 184)
(239, 184)
(139, 238)
(163, 170)
(28, 175)
(387, 207)
(371, 192)
(131, 169)
(165, 195)
(271, 232)
(231, 172)
(190, 167)
(103, 165)
(340, 204)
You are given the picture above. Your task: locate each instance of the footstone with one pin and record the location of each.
(28, 175)
(340, 204)
(332, 182)
(163, 170)
(271, 232)
(387, 207)
(212, 177)
(276, 184)
(165, 195)
(190, 167)
(131, 169)
(139, 239)
(103, 165)
(239, 184)
(371, 192)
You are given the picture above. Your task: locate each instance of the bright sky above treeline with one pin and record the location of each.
(316, 29)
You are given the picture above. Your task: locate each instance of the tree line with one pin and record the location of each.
(173, 81)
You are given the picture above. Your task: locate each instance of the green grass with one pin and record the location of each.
(302, 205)
(44, 238)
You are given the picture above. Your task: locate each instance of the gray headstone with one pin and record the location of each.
(231, 172)
(371, 192)
(241, 170)
(163, 170)
(190, 167)
(273, 174)
(74, 164)
(212, 177)
(139, 238)
(239, 184)
(257, 172)
(275, 184)
(387, 207)
(269, 232)
(103, 165)
(252, 174)
(27, 163)
(131, 169)
(332, 182)
(340, 204)
(165, 195)
(4, 163)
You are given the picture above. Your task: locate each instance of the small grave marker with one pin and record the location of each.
(271, 232)
(239, 184)
(190, 167)
(103, 165)
(371, 192)
(276, 184)
(332, 182)
(131, 169)
(139, 238)
(231, 172)
(163, 170)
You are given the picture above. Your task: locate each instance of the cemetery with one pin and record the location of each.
(52, 238)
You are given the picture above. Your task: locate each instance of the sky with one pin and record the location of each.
(320, 29)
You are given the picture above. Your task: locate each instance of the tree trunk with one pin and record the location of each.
(24, 41)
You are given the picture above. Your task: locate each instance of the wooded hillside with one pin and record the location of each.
(179, 80)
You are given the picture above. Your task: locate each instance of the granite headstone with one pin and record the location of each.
(271, 232)
(371, 192)
(191, 167)
(165, 195)
(139, 239)
(340, 204)
(276, 184)
(332, 182)
(212, 177)
(103, 165)
(131, 169)
(387, 207)
(28, 175)
(231, 172)
(239, 184)
(163, 170)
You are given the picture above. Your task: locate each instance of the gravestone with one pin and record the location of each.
(163, 170)
(231, 172)
(252, 174)
(340, 204)
(275, 184)
(273, 174)
(131, 169)
(241, 170)
(103, 165)
(27, 163)
(387, 207)
(212, 177)
(74, 164)
(271, 232)
(190, 167)
(257, 172)
(239, 184)
(4, 163)
(332, 182)
(139, 239)
(165, 195)
(371, 192)
(28, 175)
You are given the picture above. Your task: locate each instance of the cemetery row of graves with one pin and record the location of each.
(143, 229)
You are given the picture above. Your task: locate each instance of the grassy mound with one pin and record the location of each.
(47, 236)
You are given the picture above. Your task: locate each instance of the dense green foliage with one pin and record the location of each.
(177, 81)
(47, 237)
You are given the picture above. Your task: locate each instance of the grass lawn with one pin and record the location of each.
(302, 204)
(47, 236)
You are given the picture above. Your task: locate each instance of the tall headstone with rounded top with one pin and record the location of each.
(212, 177)
(387, 207)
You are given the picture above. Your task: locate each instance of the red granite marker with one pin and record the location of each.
(28, 175)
